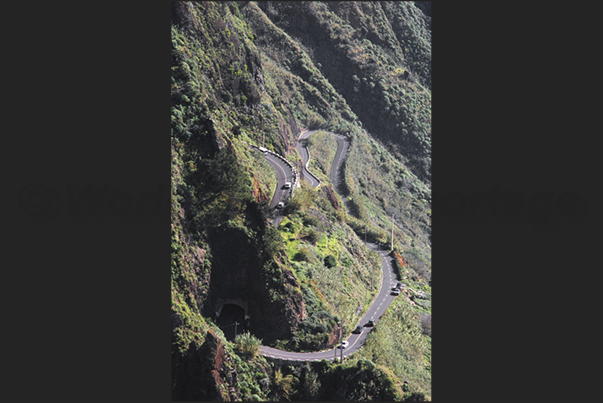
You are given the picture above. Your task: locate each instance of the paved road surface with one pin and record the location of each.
(381, 301)
(302, 149)
(283, 174)
(356, 341)
(343, 145)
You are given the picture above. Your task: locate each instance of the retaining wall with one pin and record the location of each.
(290, 165)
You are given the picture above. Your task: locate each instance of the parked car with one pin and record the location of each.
(357, 330)
(370, 323)
(396, 291)
(343, 344)
(287, 185)
(280, 205)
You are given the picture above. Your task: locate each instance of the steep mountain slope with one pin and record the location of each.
(241, 74)
(377, 56)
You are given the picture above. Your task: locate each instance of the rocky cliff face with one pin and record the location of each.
(212, 379)
(221, 248)
(275, 304)
(218, 81)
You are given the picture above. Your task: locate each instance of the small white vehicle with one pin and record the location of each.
(287, 185)
(280, 205)
(343, 344)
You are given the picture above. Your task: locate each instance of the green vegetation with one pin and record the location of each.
(322, 147)
(283, 386)
(377, 55)
(252, 377)
(248, 344)
(332, 264)
(355, 379)
(382, 186)
(220, 190)
(398, 343)
(247, 72)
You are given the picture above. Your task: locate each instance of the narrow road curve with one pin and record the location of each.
(283, 174)
(302, 149)
(336, 174)
(381, 301)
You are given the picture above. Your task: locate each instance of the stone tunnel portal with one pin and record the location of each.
(232, 317)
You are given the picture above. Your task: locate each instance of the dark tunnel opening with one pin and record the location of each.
(232, 321)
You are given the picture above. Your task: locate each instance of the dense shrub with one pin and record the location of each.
(248, 344)
(330, 261)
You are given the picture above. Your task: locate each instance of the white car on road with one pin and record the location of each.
(343, 344)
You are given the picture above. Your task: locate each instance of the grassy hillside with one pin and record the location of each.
(246, 72)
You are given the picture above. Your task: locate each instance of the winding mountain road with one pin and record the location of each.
(383, 298)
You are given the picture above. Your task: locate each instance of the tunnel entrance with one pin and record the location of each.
(232, 321)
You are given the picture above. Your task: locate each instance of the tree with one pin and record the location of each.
(330, 261)
(310, 385)
(231, 180)
(304, 254)
(272, 241)
(283, 385)
(301, 200)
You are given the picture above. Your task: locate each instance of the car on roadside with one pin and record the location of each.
(357, 330)
(370, 323)
(343, 344)
(287, 185)
(395, 291)
(280, 205)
